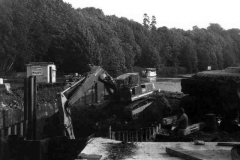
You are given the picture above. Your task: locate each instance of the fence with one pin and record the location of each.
(27, 122)
(143, 135)
(12, 121)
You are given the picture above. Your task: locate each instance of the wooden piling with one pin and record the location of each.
(2, 144)
(34, 107)
(146, 136)
(4, 119)
(22, 128)
(113, 135)
(137, 136)
(127, 136)
(26, 96)
(149, 129)
(109, 132)
(15, 129)
(119, 138)
(9, 130)
(132, 136)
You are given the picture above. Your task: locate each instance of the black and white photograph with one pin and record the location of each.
(119, 80)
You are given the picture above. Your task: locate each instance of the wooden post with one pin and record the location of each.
(26, 96)
(4, 122)
(25, 125)
(110, 133)
(30, 108)
(119, 136)
(2, 134)
(15, 129)
(21, 129)
(146, 135)
(11, 117)
(136, 136)
(50, 74)
(141, 136)
(9, 130)
(2, 144)
(123, 136)
(34, 107)
(113, 135)
(132, 136)
(149, 129)
(127, 136)
(12, 129)
(32, 99)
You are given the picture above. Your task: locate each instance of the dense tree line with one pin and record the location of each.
(51, 30)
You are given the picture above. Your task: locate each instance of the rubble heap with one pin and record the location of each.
(120, 150)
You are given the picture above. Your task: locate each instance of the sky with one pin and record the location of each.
(183, 14)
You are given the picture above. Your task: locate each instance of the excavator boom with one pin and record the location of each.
(89, 89)
(96, 87)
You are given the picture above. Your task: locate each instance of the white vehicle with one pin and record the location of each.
(149, 74)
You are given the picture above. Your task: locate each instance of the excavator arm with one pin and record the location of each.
(78, 90)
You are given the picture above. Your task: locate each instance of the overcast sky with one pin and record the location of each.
(182, 14)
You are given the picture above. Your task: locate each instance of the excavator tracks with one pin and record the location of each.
(134, 109)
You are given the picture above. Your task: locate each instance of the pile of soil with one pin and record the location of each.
(120, 150)
(12, 102)
(12, 99)
(46, 93)
(218, 136)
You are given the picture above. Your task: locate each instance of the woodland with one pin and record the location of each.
(53, 31)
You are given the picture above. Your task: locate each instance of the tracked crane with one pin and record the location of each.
(97, 87)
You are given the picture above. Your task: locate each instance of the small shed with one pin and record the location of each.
(45, 72)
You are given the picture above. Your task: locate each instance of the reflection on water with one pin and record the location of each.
(172, 85)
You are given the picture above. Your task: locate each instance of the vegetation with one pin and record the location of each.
(51, 30)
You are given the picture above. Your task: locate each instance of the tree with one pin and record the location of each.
(146, 21)
(51, 30)
(153, 23)
(188, 55)
(214, 27)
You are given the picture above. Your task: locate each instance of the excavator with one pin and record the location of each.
(97, 87)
